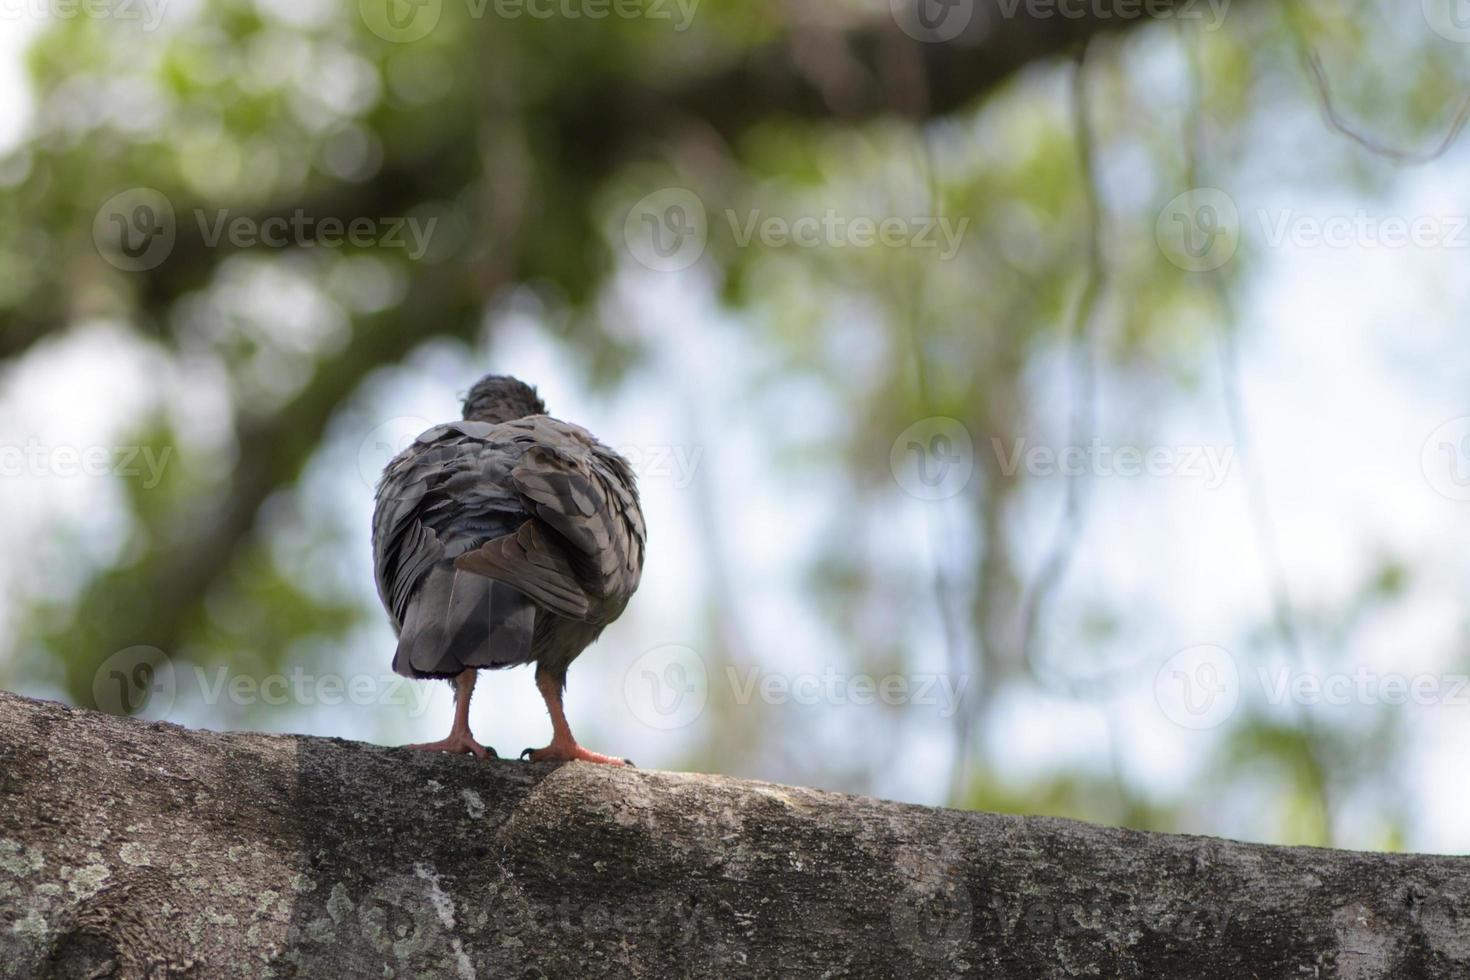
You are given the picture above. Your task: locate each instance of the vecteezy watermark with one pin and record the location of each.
(301, 230)
(299, 687)
(1199, 230)
(384, 442)
(136, 681)
(932, 913)
(1198, 687)
(147, 13)
(37, 459)
(1008, 915)
(676, 464)
(1362, 229)
(137, 230)
(937, 21)
(669, 229)
(401, 21)
(831, 686)
(405, 21)
(1450, 19)
(831, 229)
(1445, 459)
(144, 681)
(933, 21)
(1210, 464)
(669, 686)
(679, 12)
(933, 459)
(1211, 12)
(1363, 685)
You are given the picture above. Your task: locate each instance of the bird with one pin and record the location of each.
(508, 537)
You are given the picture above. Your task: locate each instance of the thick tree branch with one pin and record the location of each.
(595, 122)
(129, 849)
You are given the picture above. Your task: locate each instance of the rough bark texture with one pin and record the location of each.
(132, 849)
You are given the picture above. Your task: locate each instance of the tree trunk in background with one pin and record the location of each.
(131, 849)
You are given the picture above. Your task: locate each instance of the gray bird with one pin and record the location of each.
(508, 538)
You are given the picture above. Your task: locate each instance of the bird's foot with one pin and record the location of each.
(458, 743)
(572, 752)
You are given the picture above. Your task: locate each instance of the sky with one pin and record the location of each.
(15, 101)
(1354, 381)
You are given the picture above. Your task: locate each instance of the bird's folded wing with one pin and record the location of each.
(446, 493)
(583, 548)
(529, 562)
(588, 501)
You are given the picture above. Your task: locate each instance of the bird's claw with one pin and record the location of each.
(458, 744)
(573, 753)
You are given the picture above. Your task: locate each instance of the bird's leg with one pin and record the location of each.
(563, 747)
(459, 742)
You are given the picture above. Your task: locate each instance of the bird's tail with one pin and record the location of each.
(459, 619)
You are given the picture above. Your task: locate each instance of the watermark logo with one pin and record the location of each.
(383, 443)
(675, 464)
(1445, 459)
(37, 459)
(1364, 686)
(833, 230)
(932, 916)
(933, 21)
(680, 920)
(667, 687)
(834, 687)
(1362, 229)
(1199, 230)
(148, 13)
(1450, 19)
(667, 230)
(933, 459)
(1198, 687)
(143, 681)
(1211, 12)
(406, 21)
(680, 12)
(135, 230)
(1209, 464)
(401, 21)
(138, 681)
(301, 230)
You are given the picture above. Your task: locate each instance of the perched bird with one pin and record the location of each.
(508, 538)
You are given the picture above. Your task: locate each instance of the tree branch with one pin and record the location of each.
(131, 849)
(594, 123)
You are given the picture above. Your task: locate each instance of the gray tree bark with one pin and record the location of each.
(132, 849)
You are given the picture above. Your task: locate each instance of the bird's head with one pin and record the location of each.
(500, 398)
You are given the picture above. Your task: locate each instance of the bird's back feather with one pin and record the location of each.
(501, 543)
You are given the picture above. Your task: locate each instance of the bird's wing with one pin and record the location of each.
(581, 555)
(529, 561)
(445, 495)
